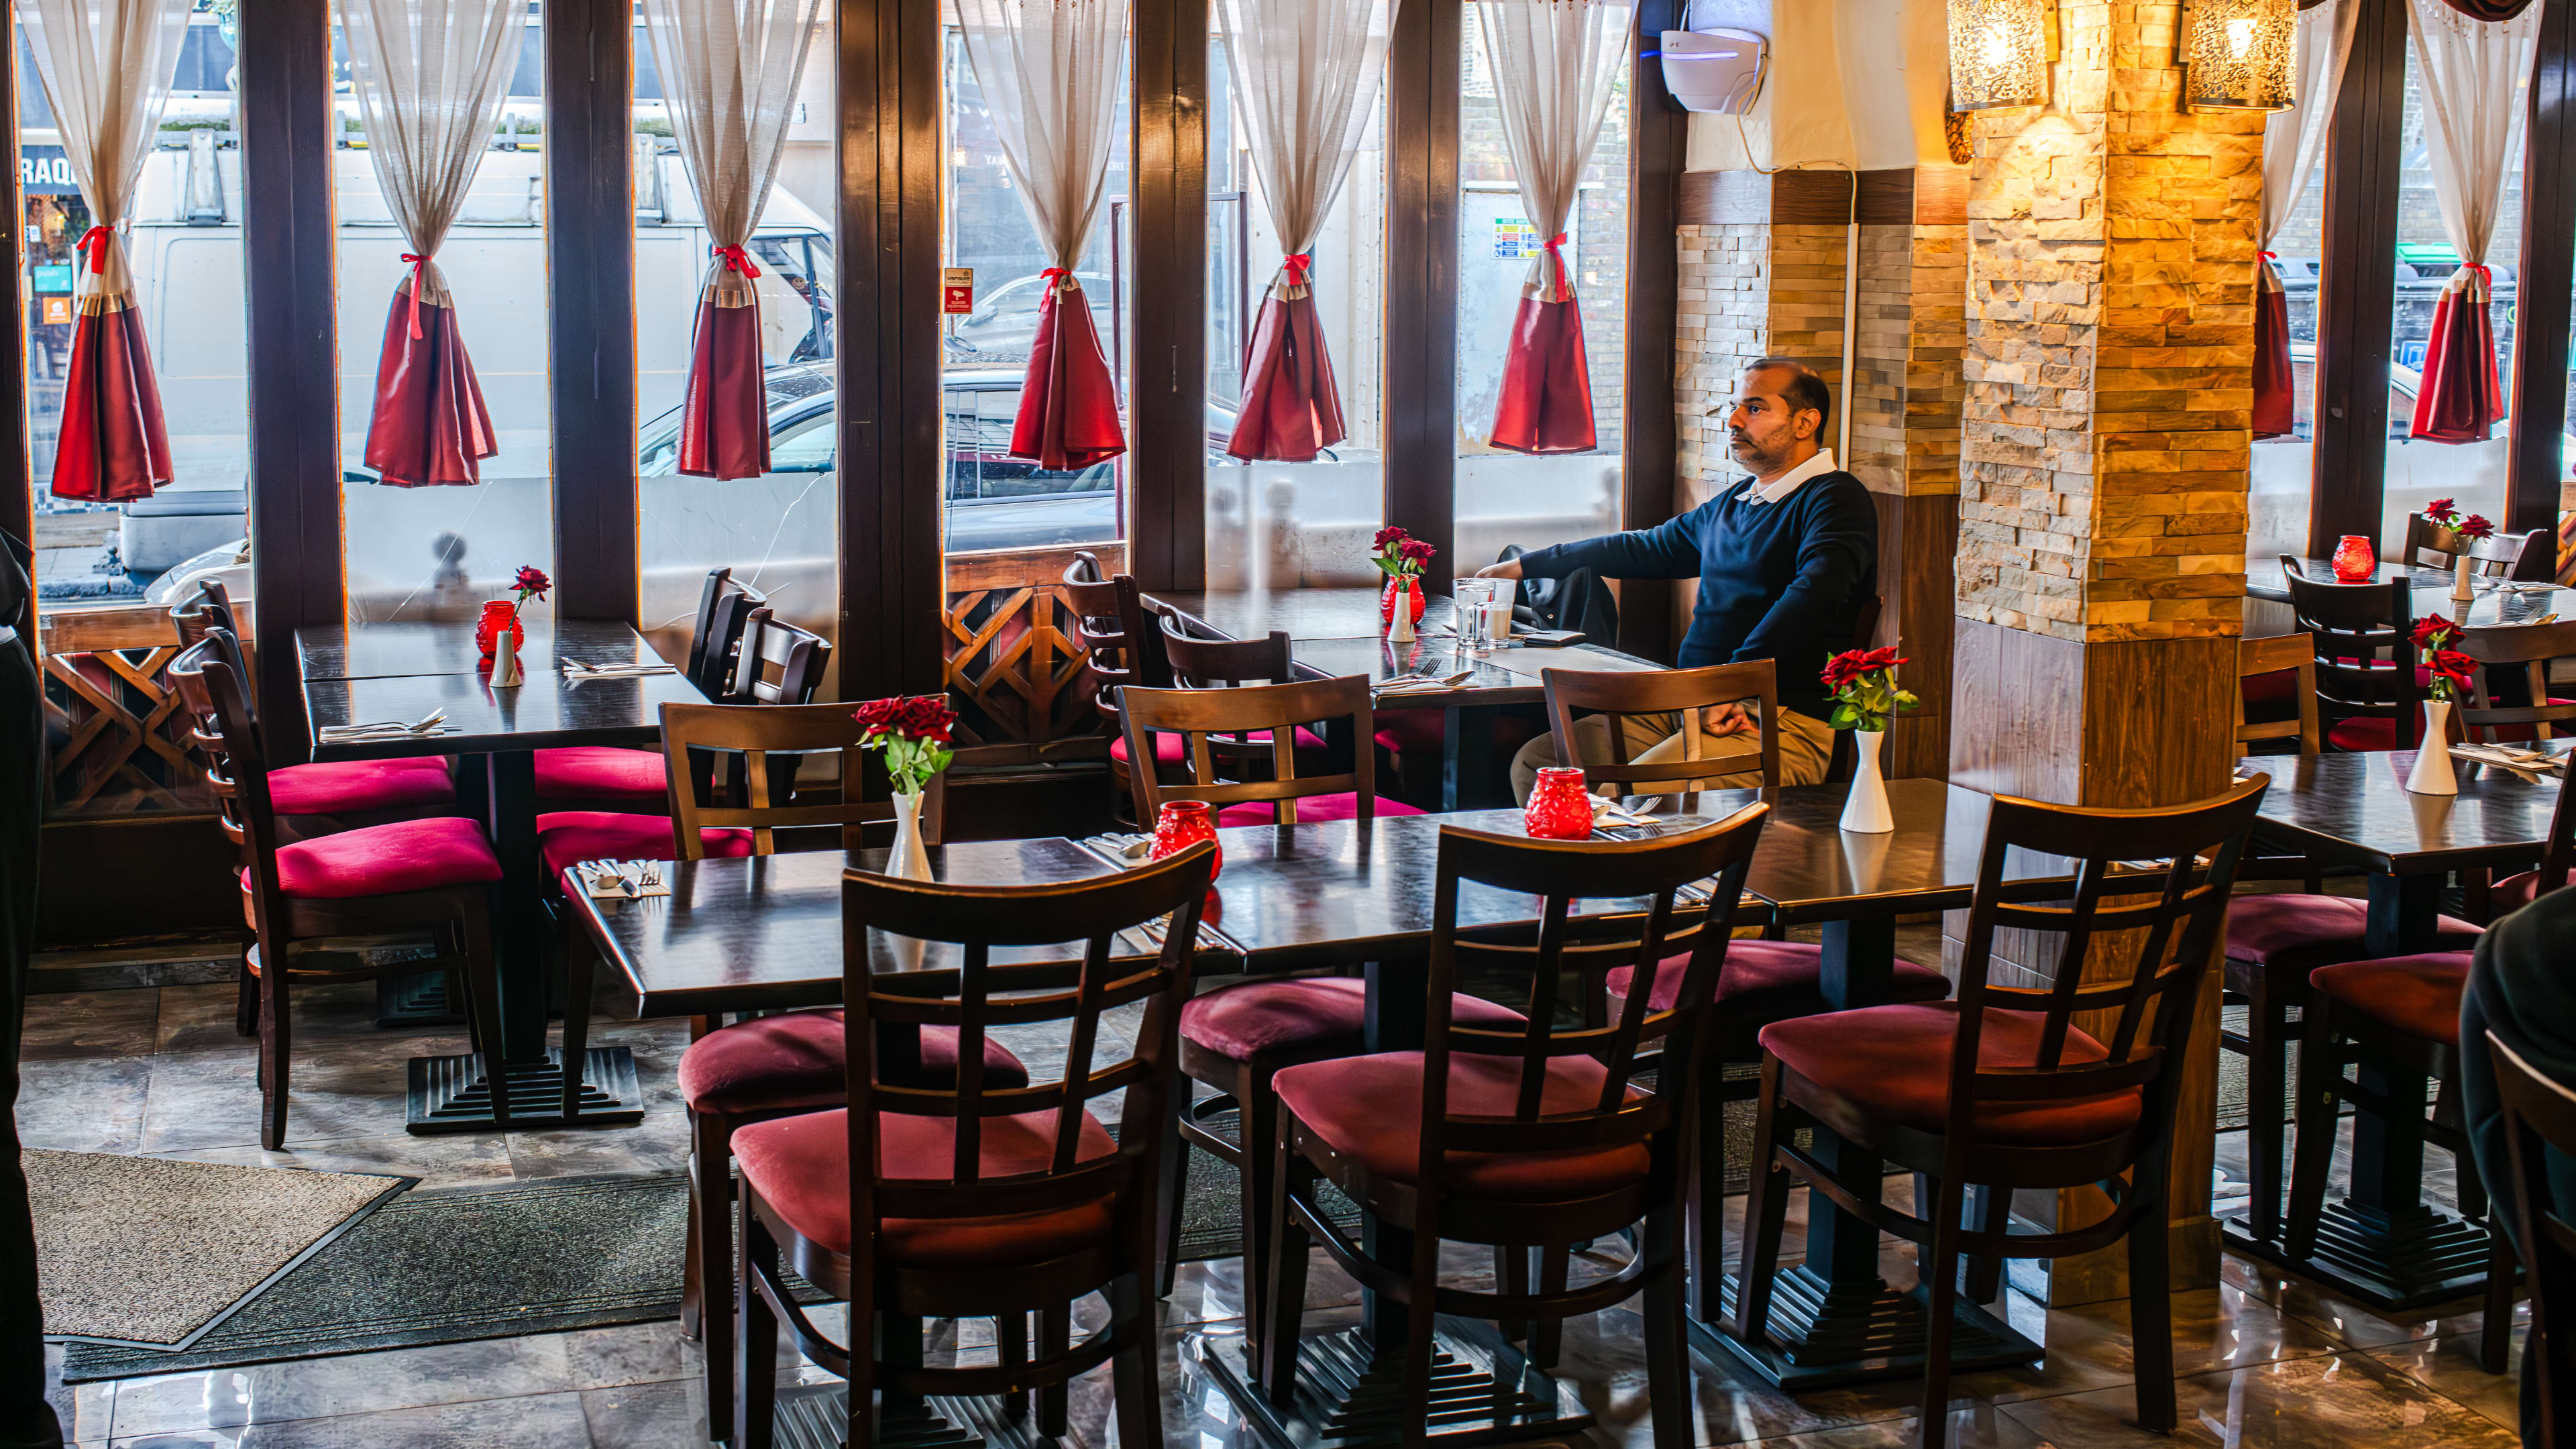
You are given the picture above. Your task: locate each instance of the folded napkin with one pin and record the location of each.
(624, 880)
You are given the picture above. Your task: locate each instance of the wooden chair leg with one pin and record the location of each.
(1941, 1285)
(2312, 1149)
(1055, 1340)
(1669, 1391)
(1766, 1209)
(1011, 1345)
(1173, 1192)
(483, 995)
(246, 1004)
(580, 961)
(711, 1189)
(1706, 1225)
(1258, 1112)
(2495, 1332)
(1547, 1335)
(1981, 1279)
(2151, 1306)
(752, 1395)
(275, 1047)
(1512, 1276)
(2267, 1032)
(1286, 1276)
(1136, 1369)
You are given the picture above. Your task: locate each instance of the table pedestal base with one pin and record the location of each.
(2390, 1261)
(1482, 1392)
(403, 1001)
(815, 1417)
(1822, 1336)
(451, 1094)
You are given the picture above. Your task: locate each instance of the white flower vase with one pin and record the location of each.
(1399, 630)
(2433, 774)
(2461, 593)
(909, 860)
(506, 673)
(1865, 809)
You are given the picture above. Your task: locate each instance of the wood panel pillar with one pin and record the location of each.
(590, 292)
(1658, 143)
(2102, 496)
(2543, 280)
(2357, 285)
(1167, 394)
(1421, 331)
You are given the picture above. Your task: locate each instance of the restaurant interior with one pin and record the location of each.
(1576, 722)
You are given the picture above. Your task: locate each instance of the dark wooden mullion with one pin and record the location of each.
(18, 482)
(1421, 328)
(2544, 278)
(886, 344)
(286, 133)
(1167, 389)
(590, 293)
(2356, 291)
(1658, 137)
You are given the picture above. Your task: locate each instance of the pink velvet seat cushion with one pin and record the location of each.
(1312, 810)
(2293, 932)
(2514, 892)
(1775, 980)
(2418, 995)
(599, 772)
(336, 787)
(800, 1166)
(384, 860)
(1369, 1109)
(1173, 749)
(566, 836)
(1893, 1063)
(2364, 736)
(2281, 687)
(1310, 1016)
(796, 1061)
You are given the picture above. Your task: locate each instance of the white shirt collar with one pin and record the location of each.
(1787, 483)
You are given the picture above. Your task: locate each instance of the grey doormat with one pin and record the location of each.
(154, 1253)
(449, 1266)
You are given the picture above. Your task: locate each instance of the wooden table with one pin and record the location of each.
(403, 671)
(1298, 613)
(2431, 589)
(2383, 1245)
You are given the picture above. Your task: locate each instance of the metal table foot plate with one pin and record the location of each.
(452, 1094)
(1825, 1334)
(815, 1416)
(2392, 1261)
(1482, 1391)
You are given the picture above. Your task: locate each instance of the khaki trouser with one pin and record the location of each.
(1806, 748)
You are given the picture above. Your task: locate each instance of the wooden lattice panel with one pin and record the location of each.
(113, 729)
(1011, 646)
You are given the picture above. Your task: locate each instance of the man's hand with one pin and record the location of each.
(1509, 568)
(1726, 719)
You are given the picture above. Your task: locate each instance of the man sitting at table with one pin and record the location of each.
(1784, 562)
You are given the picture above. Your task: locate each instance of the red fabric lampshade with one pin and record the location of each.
(724, 415)
(2460, 400)
(2275, 390)
(114, 445)
(1291, 409)
(1546, 402)
(1068, 406)
(430, 426)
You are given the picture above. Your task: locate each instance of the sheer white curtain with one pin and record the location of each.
(1555, 62)
(106, 67)
(729, 74)
(1049, 73)
(2294, 141)
(2472, 73)
(430, 78)
(1305, 75)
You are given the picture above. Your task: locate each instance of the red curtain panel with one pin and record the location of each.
(114, 445)
(724, 416)
(1291, 409)
(1068, 406)
(2275, 387)
(430, 428)
(1546, 401)
(2460, 399)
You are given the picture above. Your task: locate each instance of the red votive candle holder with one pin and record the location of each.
(499, 614)
(1182, 824)
(2355, 559)
(1559, 808)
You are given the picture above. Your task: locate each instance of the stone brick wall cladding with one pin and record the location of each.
(1906, 391)
(1748, 290)
(2109, 347)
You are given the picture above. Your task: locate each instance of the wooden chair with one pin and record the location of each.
(778, 662)
(976, 1198)
(2002, 1091)
(2364, 659)
(2265, 659)
(2424, 536)
(1522, 1136)
(1682, 692)
(766, 1067)
(2523, 653)
(2557, 859)
(615, 778)
(2498, 555)
(1264, 724)
(1119, 647)
(432, 875)
(2539, 1124)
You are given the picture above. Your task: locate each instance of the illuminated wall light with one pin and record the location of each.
(1999, 54)
(2238, 55)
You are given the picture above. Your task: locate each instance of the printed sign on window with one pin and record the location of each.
(957, 290)
(58, 311)
(1515, 240)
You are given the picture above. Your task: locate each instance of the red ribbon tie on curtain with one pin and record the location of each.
(1554, 247)
(738, 259)
(1296, 265)
(1048, 278)
(93, 243)
(2486, 278)
(417, 264)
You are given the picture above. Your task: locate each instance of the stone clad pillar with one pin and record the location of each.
(2103, 476)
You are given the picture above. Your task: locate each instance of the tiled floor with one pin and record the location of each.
(2260, 1361)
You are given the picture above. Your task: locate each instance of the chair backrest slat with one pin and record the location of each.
(787, 732)
(1682, 692)
(2361, 649)
(797, 655)
(1119, 646)
(2539, 1123)
(2523, 653)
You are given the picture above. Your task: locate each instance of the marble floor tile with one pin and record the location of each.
(2090, 1347)
(2337, 1400)
(325, 1388)
(544, 1421)
(2345, 1320)
(337, 1089)
(450, 1160)
(85, 1411)
(73, 1025)
(88, 1105)
(1979, 1426)
(2449, 1366)
(630, 1353)
(670, 1414)
(659, 1143)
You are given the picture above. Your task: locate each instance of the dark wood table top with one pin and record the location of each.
(2432, 593)
(547, 711)
(1488, 682)
(764, 933)
(1300, 613)
(371, 651)
(2355, 810)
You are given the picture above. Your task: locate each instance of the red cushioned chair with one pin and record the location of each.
(2540, 1128)
(417, 875)
(1527, 1136)
(2401, 1015)
(2368, 687)
(612, 778)
(2557, 858)
(980, 1197)
(1119, 647)
(2000, 1091)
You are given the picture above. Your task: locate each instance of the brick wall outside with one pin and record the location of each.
(2109, 336)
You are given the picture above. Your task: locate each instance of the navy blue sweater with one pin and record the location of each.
(1780, 581)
